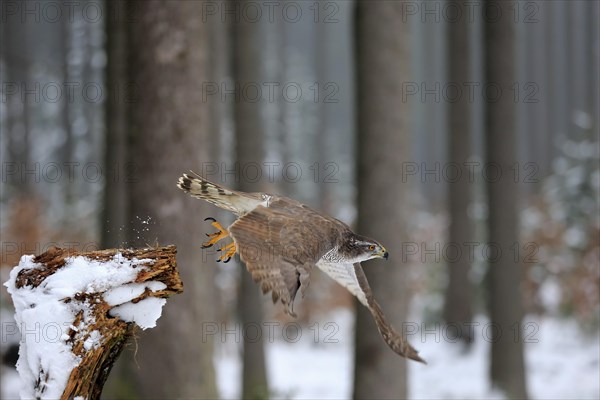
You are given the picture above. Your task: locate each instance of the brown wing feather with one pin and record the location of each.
(280, 244)
(394, 340)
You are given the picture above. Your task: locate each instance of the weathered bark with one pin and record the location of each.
(384, 126)
(87, 379)
(457, 307)
(169, 123)
(507, 370)
(249, 150)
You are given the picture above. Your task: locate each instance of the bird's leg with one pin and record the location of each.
(215, 237)
(228, 250)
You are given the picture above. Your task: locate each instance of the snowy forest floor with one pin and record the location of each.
(564, 363)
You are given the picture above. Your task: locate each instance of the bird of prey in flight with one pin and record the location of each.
(280, 240)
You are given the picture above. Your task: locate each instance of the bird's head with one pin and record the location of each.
(361, 248)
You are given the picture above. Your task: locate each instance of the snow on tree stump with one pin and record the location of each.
(76, 311)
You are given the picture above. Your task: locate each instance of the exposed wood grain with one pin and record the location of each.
(88, 378)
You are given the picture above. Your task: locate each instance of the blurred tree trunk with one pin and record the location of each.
(169, 123)
(249, 150)
(457, 307)
(17, 54)
(66, 152)
(115, 209)
(384, 125)
(114, 212)
(507, 369)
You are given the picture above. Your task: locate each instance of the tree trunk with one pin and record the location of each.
(507, 370)
(91, 312)
(169, 122)
(384, 126)
(16, 53)
(249, 150)
(115, 210)
(458, 309)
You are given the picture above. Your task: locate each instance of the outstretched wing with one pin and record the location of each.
(353, 278)
(280, 244)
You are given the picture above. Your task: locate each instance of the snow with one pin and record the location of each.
(144, 313)
(124, 293)
(561, 363)
(301, 367)
(45, 320)
(93, 340)
(11, 384)
(550, 294)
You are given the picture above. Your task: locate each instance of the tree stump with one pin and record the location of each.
(96, 299)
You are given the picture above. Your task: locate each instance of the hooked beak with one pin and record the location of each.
(384, 254)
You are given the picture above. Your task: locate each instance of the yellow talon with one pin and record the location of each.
(229, 252)
(218, 226)
(215, 237)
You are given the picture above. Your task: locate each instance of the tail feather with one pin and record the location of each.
(237, 202)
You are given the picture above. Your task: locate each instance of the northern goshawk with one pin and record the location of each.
(280, 240)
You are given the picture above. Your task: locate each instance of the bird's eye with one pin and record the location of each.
(372, 247)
